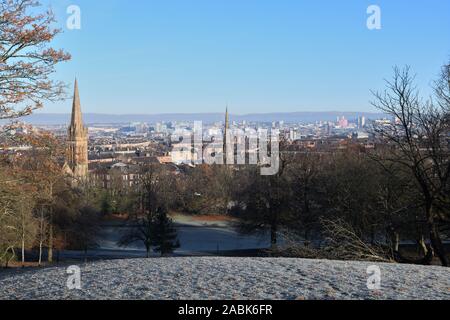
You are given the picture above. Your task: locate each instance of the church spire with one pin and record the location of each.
(227, 119)
(77, 120)
(77, 139)
(225, 134)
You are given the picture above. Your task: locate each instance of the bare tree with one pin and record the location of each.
(156, 190)
(26, 59)
(42, 232)
(418, 136)
(304, 170)
(26, 224)
(8, 225)
(265, 205)
(442, 88)
(84, 229)
(42, 168)
(343, 243)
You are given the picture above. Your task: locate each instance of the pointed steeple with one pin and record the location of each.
(225, 135)
(77, 139)
(77, 120)
(227, 119)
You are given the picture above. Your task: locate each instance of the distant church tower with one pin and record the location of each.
(225, 133)
(77, 140)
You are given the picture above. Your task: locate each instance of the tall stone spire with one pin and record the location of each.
(77, 120)
(225, 133)
(77, 140)
(227, 120)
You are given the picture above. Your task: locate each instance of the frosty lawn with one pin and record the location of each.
(228, 278)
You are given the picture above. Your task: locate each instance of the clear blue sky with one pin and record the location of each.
(170, 56)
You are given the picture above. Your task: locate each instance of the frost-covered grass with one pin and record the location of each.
(228, 278)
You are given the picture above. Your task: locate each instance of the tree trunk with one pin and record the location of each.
(23, 238)
(435, 238)
(147, 248)
(13, 254)
(23, 251)
(41, 237)
(422, 246)
(50, 230)
(396, 243)
(40, 254)
(273, 236)
(438, 247)
(50, 244)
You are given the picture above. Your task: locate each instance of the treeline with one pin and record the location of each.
(31, 188)
(41, 208)
(347, 204)
(357, 203)
(353, 203)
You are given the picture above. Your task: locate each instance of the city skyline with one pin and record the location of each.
(203, 151)
(295, 117)
(257, 56)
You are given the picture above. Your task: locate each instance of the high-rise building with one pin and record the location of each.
(328, 127)
(77, 140)
(361, 122)
(342, 122)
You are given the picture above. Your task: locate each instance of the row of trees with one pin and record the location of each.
(398, 192)
(41, 209)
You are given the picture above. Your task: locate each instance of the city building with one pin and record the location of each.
(342, 122)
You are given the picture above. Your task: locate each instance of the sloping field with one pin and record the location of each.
(228, 278)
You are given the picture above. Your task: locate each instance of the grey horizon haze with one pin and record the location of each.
(288, 117)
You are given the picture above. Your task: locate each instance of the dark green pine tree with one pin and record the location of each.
(164, 235)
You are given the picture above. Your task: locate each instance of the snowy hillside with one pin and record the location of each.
(227, 278)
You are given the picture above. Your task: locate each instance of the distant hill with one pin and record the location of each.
(293, 117)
